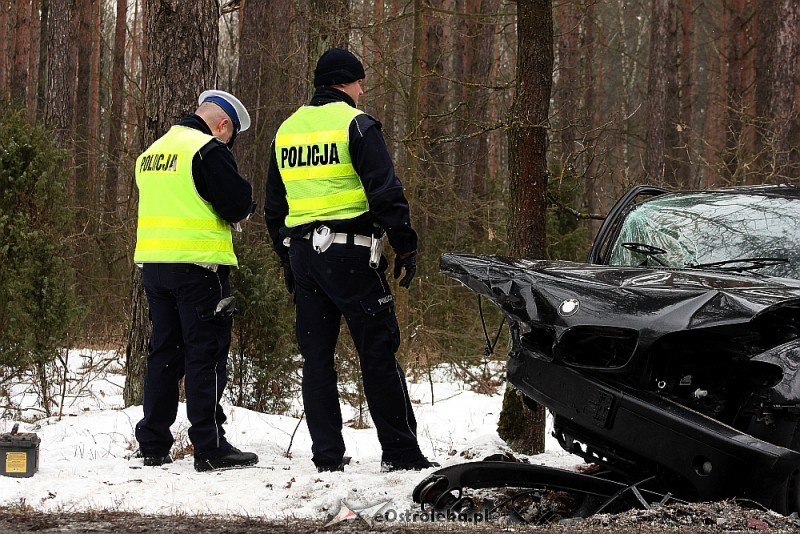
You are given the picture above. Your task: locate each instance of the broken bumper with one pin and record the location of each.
(713, 460)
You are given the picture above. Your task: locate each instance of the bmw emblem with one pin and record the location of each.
(568, 307)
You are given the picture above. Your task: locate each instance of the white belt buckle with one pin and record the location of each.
(321, 238)
(375, 250)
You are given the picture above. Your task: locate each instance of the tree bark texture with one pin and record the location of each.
(181, 62)
(592, 79)
(740, 142)
(686, 85)
(263, 56)
(776, 79)
(41, 83)
(22, 47)
(61, 71)
(32, 84)
(4, 7)
(568, 22)
(84, 135)
(473, 65)
(661, 82)
(118, 96)
(329, 26)
(519, 425)
(528, 141)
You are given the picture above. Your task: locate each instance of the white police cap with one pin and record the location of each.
(230, 104)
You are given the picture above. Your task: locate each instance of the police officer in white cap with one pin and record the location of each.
(190, 194)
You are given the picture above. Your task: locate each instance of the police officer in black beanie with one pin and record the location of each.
(332, 194)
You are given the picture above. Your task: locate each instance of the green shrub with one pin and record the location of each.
(263, 364)
(39, 309)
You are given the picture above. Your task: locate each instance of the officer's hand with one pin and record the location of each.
(288, 277)
(409, 262)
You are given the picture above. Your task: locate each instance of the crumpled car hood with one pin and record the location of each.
(654, 302)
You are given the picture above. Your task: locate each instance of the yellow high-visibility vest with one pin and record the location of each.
(313, 155)
(175, 224)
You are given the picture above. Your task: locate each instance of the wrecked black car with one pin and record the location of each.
(670, 359)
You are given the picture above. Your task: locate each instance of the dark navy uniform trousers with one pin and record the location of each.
(328, 285)
(187, 341)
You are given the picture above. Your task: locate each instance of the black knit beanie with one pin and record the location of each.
(337, 66)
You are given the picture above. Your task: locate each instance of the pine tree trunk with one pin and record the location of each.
(687, 175)
(22, 43)
(740, 94)
(83, 124)
(473, 66)
(263, 54)
(117, 94)
(41, 77)
(4, 7)
(776, 78)
(520, 426)
(568, 18)
(329, 25)
(33, 62)
(659, 80)
(61, 73)
(181, 62)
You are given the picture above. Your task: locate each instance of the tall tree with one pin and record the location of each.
(714, 138)
(593, 81)
(777, 75)
(41, 89)
(329, 25)
(568, 22)
(263, 54)
(740, 51)
(31, 92)
(59, 111)
(181, 62)
(114, 146)
(688, 94)
(524, 428)
(3, 49)
(473, 67)
(661, 87)
(433, 103)
(84, 133)
(22, 47)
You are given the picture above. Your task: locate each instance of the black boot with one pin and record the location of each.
(233, 458)
(334, 467)
(415, 463)
(155, 461)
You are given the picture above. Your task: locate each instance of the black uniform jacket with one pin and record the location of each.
(217, 178)
(388, 207)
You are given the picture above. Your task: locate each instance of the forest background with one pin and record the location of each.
(514, 125)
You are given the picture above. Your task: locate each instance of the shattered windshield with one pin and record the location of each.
(703, 227)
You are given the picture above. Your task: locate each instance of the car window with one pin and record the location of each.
(706, 227)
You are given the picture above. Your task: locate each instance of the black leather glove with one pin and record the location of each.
(409, 262)
(288, 277)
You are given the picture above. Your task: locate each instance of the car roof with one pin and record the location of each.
(777, 190)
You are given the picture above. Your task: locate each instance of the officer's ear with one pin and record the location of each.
(222, 126)
(225, 130)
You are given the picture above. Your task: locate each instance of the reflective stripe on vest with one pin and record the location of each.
(175, 224)
(313, 155)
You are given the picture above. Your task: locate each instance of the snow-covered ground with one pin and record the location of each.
(85, 459)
